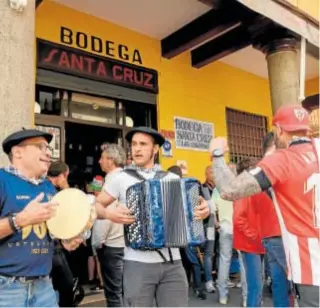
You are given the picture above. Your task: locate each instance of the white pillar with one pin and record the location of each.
(17, 69)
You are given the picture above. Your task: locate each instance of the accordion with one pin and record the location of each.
(163, 209)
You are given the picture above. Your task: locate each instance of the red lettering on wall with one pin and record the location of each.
(89, 61)
(117, 72)
(51, 55)
(101, 70)
(138, 77)
(147, 80)
(168, 134)
(76, 62)
(128, 74)
(64, 61)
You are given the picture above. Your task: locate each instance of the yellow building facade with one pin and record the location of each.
(198, 94)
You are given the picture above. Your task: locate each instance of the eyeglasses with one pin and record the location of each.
(43, 147)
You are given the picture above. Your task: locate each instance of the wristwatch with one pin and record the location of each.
(13, 223)
(217, 153)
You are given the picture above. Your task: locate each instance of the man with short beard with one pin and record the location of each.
(147, 277)
(292, 175)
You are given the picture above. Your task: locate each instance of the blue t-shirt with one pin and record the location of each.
(29, 252)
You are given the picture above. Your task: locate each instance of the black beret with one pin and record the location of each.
(159, 139)
(21, 135)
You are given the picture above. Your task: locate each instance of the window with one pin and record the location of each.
(95, 109)
(139, 114)
(51, 101)
(245, 134)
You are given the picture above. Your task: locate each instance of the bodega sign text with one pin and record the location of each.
(83, 64)
(104, 47)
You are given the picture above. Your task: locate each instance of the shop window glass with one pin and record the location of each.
(50, 101)
(139, 114)
(94, 109)
(245, 134)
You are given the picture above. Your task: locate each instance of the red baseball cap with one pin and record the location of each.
(291, 118)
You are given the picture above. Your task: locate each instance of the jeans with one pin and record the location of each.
(164, 283)
(36, 293)
(254, 271)
(225, 251)
(207, 260)
(276, 260)
(191, 252)
(62, 279)
(111, 262)
(243, 277)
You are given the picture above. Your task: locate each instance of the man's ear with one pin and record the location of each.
(156, 149)
(16, 152)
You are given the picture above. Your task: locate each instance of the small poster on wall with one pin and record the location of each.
(56, 140)
(183, 165)
(167, 149)
(192, 134)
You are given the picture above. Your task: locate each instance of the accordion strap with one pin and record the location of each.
(134, 173)
(163, 257)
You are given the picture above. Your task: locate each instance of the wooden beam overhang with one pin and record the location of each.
(230, 42)
(220, 47)
(221, 19)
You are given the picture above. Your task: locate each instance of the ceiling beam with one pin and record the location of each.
(204, 28)
(224, 45)
(38, 2)
(232, 41)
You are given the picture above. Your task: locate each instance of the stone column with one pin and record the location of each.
(17, 69)
(283, 71)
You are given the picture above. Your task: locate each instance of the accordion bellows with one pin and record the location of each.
(163, 209)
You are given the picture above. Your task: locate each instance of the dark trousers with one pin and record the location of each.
(191, 252)
(111, 262)
(62, 279)
(276, 260)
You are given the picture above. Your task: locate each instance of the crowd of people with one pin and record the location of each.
(267, 212)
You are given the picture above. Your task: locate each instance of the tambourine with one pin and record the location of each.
(75, 215)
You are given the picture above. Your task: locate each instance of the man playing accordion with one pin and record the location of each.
(146, 276)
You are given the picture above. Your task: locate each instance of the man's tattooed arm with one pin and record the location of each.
(230, 186)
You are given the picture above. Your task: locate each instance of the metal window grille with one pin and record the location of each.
(245, 134)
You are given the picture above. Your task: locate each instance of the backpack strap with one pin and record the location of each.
(160, 174)
(135, 174)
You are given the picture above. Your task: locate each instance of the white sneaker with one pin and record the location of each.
(223, 301)
(210, 287)
(239, 285)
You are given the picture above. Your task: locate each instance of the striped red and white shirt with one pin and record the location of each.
(295, 178)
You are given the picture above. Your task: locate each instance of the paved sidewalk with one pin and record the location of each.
(97, 300)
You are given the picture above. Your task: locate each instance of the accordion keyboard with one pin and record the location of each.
(163, 209)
